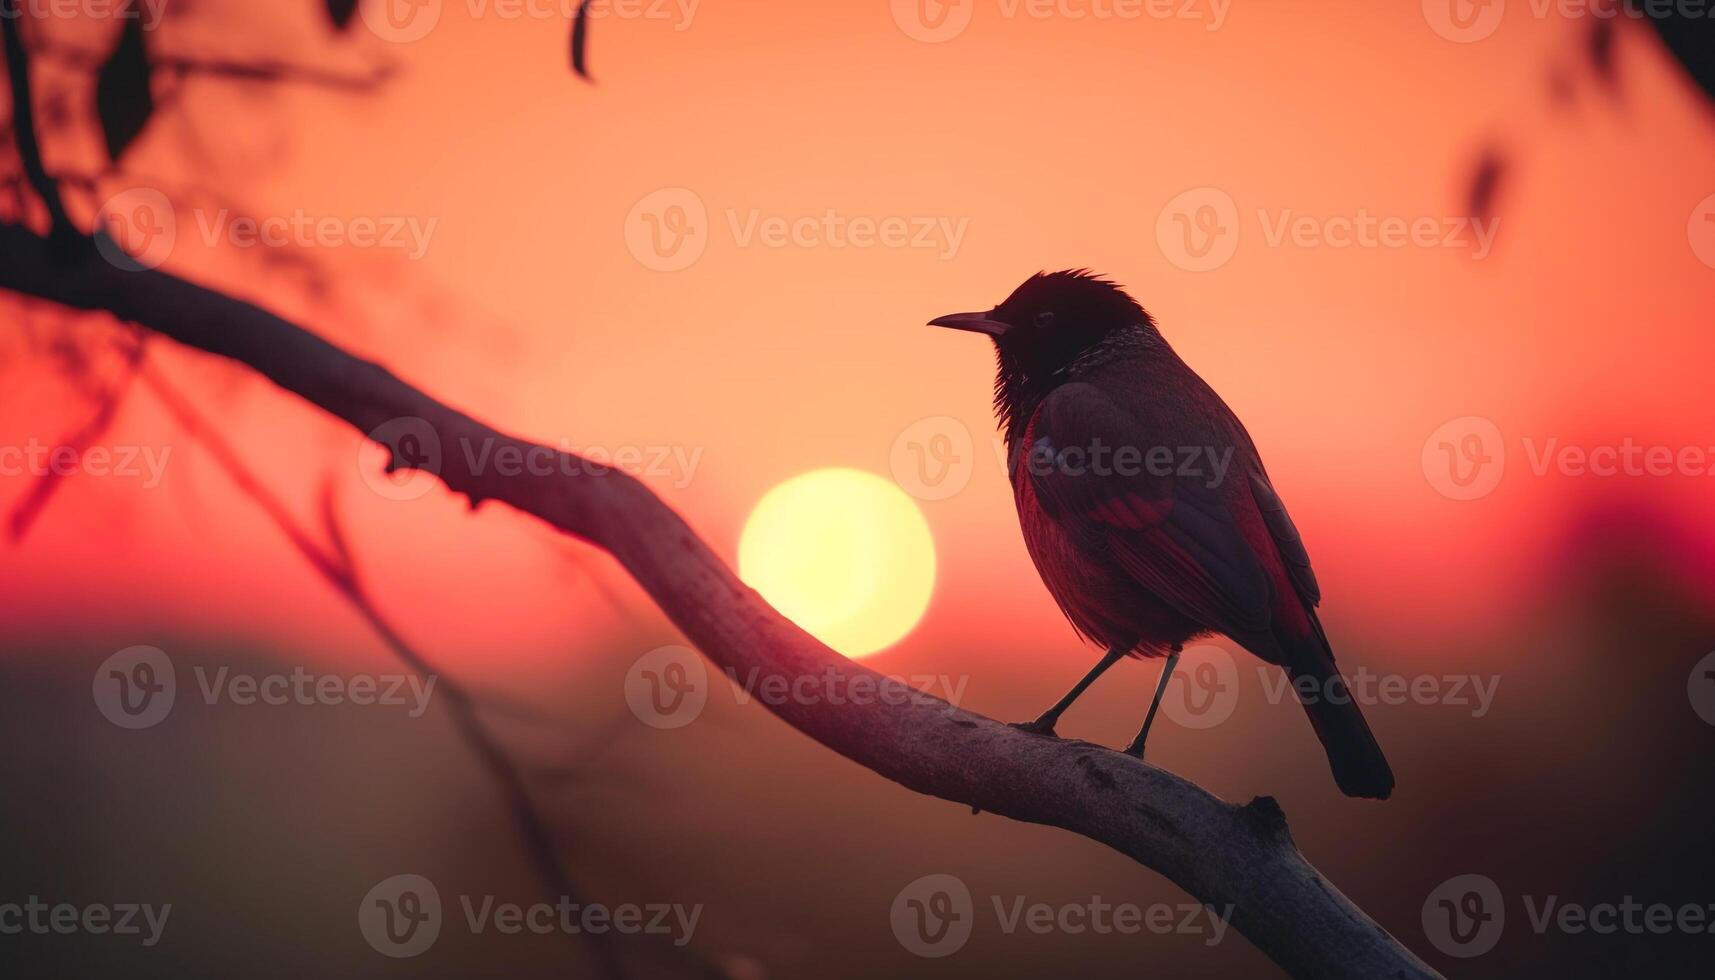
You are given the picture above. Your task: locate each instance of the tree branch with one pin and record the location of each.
(24, 120)
(263, 71)
(1224, 855)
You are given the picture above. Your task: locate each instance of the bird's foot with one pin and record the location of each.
(1041, 726)
(1135, 749)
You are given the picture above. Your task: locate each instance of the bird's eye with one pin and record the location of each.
(1045, 319)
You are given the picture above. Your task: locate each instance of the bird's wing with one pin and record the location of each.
(1286, 540)
(1172, 533)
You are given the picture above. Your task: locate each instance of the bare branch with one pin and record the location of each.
(335, 564)
(24, 120)
(262, 71)
(107, 402)
(1224, 855)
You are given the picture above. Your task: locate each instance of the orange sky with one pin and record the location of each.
(1048, 143)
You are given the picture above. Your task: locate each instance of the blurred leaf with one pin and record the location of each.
(580, 38)
(122, 96)
(1601, 50)
(341, 11)
(1485, 182)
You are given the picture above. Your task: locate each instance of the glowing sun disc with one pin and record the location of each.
(844, 554)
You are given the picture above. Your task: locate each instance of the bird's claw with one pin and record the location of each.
(1037, 727)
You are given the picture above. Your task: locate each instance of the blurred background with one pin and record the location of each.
(1453, 264)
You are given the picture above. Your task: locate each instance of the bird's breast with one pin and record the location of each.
(1100, 599)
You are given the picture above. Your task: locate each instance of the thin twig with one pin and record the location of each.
(336, 566)
(24, 121)
(35, 501)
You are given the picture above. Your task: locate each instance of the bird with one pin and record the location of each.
(1143, 537)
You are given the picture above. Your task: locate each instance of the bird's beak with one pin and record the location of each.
(974, 322)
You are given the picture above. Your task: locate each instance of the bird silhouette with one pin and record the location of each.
(1146, 509)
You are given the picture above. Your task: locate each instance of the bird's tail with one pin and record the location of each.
(1359, 766)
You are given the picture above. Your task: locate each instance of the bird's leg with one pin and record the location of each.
(1136, 746)
(1045, 724)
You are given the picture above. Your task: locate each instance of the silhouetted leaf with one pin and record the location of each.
(580, 38)
(122, 96)
(1485, 182)
(341, 11)
(1601, 50)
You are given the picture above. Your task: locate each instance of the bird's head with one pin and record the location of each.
(1048, 323)
(1053, 318)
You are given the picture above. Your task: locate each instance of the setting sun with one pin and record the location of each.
(843, 553)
